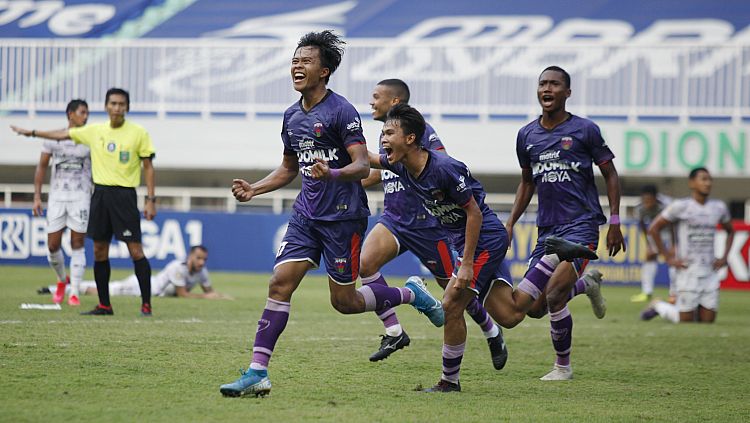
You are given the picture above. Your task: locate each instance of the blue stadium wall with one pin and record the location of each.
(248, 243)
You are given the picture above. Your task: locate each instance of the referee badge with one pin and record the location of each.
(124, 156)
(111, 146)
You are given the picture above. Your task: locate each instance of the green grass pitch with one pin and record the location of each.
(58, 366)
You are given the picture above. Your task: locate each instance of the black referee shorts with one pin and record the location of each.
(114, 211)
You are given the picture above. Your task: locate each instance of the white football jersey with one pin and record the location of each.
(696, 229)
(71, 171)
(177, 274)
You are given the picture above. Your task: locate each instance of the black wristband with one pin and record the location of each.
(33, 133)
(151, 198)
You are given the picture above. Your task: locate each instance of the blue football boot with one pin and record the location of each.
(424, 302)
(252, 382)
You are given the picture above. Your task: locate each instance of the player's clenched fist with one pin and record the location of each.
(320, 170)
(242, 190)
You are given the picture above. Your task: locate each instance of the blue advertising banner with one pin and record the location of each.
(248, 242)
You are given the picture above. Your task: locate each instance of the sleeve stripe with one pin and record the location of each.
(604, 162)
(355, 142)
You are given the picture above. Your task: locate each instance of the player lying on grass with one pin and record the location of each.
(176, 280)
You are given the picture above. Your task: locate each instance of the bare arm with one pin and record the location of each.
(280, 177)
(473, 227)
(39, 173)
(374, 160)
(373, 179)
(357, 170)
(524, 193)
(721, 262)
(55, 135)
(654, 231)
(615, 241)
(149, 208)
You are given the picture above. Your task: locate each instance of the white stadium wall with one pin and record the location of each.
(642, 149)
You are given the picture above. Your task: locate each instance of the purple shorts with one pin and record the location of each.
(339, 242)
(489, 268)
(581, 232)
(430, 245)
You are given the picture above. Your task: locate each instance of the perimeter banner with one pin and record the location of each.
(248, 242)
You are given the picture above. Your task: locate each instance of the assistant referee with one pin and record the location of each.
(118, 150)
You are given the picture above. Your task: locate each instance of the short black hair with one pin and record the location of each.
(696, 171)
(409, 118)
(649, 189)
(198, 247)
(118, 91)
(399, 87)
(329, 45)
(565, 74)
(74, 105)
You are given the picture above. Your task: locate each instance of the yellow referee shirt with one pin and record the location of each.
(116, 153)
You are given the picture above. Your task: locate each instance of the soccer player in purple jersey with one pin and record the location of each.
(405, 225)
(323, 141)
(557, 153)
(456, 199)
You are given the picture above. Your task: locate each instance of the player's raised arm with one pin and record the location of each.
(55, 135)
(358, 169)
(278, 178)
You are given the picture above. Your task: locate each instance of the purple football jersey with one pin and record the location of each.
(444, 186)
(324, 132)
(401, 205)
(561, 162)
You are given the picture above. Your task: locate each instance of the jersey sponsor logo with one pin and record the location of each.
(340, 264)
(566, 142)
(447, 214)
(354, 125)
(461, 187)
(111, 146)
(306, 143)
(318, 129)
(309, 156)
(392, 186)
(549, 155)
(555, 171)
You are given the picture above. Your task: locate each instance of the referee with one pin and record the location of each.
(118, 150)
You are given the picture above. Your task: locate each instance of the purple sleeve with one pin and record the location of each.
(431, 140)
(600, 152)
(523, 155)
(455, 182)
(350, 126)
(288, 150)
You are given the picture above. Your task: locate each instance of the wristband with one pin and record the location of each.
(614, 219)
(152, 199)
(33, 133)
(335, 173)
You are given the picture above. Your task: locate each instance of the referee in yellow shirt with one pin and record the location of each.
(118, 149)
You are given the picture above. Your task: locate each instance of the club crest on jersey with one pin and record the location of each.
(111, 146)
(437, 195)
(340, 264)
(124, 156)
(318, 129)
(566, 142)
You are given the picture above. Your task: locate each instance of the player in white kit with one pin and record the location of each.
(697, 279)
(67, 203)
(176, 280)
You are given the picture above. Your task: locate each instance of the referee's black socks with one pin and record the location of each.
(101, 276)
(143, 273)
